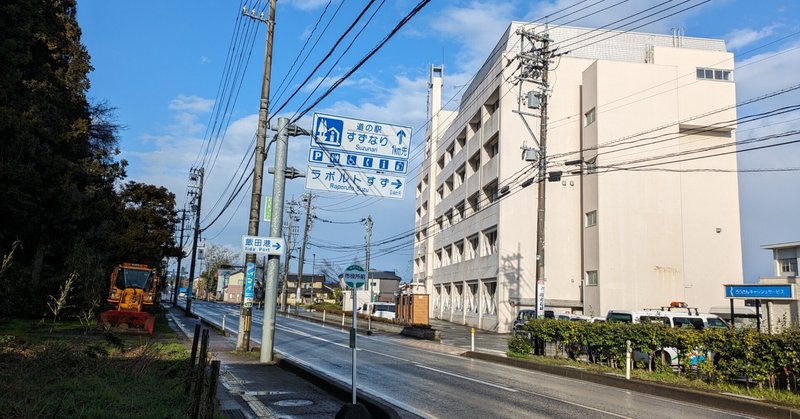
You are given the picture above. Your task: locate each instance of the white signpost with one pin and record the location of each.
(263, 245)
(358, 156)
(354, 277)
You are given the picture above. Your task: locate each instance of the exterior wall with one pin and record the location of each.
(660, 236)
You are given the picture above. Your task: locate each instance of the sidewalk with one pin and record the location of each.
(251, 389)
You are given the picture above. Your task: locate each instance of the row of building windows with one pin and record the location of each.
(476, 245)
(714, 74)
(461, 297)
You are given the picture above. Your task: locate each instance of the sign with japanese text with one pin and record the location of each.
(340, 179)
(767, 292)
(359, 136)
(354, 276)
(357, 161)
(249, 284)
(262, 245)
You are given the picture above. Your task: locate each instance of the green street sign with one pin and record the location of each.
(354, 276)
(267, 208)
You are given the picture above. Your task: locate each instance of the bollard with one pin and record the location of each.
(628, 360)
(343, 319)
(472, 334)
(324, 312)
(223, 324)
(369, 324)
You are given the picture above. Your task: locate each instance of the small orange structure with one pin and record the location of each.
(412, 308)
(133, 292)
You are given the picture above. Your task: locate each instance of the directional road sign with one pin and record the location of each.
(354, 181)
(360, 136)
(354, 276)
(263, 245)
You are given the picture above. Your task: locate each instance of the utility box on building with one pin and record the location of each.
(412, 308)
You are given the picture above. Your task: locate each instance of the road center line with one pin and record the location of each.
(464, 377)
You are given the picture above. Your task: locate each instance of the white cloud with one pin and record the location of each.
(476, 28)
(194, 104)
(742, 37)
(306, 5)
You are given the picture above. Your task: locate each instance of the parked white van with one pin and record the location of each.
(670, 319)
(378, 309)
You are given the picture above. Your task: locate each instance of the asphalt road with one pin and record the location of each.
(439, 385)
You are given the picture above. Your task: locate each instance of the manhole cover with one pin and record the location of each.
(293, 403)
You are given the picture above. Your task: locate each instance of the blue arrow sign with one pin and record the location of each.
(400, 136)
(277, 246)
(397, 184)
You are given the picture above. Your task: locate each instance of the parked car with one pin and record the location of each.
(524, 316)
(378, 309)
(671, 319)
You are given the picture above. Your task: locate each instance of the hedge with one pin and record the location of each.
(730, 355)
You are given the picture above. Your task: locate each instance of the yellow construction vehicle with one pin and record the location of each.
(133, 295)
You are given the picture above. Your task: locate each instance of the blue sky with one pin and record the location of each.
(161, 63)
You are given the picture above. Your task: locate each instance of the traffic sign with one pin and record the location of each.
(354, 181)
(357, 161)
(360, 136)
(263, 245)
(354, 276)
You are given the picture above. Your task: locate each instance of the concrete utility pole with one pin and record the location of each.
(290, 231)
(366, 263)
(307, 198)
(273, 261)
(180, 258)
(535, 67)
(245, 318)
(196, 177)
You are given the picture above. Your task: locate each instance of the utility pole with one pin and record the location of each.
(290, 228)
(535, 67)
(180, 258)
(246, 313)
(307, 227)
(368, 236)
(196, 189)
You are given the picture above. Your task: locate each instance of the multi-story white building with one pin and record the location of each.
(650, 217)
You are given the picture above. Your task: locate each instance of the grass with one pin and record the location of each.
(72, 373)
(782, 397)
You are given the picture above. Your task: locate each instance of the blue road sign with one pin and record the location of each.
(354, 181)
(249, 284)
(359, 161)
(767, 292)
(377, 139)
(328, 131)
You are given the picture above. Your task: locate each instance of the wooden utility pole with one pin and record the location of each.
(245, 319)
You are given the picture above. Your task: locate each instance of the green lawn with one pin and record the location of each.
(62, 370)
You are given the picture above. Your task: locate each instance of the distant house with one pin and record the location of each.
(381, 286)
(232, 293)
(311, 289)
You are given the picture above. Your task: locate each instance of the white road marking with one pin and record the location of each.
(555, 399)
(464, 377)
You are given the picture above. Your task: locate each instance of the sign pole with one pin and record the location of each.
(353, 335)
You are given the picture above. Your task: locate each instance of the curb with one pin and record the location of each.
(715, 400)
(377, 408)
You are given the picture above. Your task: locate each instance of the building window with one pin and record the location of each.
(472, 298)
(458, 251)
(447, 255)
(474, 203)
(490, 191)
(489, 242)
(458, 290)
(591, 218)
(714, 74)
(589, 117)
(461, 173)
(472, 247)
(492, 148)
(489, 291)
(788, 265)
(440, 194)
(475, 162)
(437, 261)
(591, 278)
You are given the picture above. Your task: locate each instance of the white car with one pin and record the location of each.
(378, 309)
